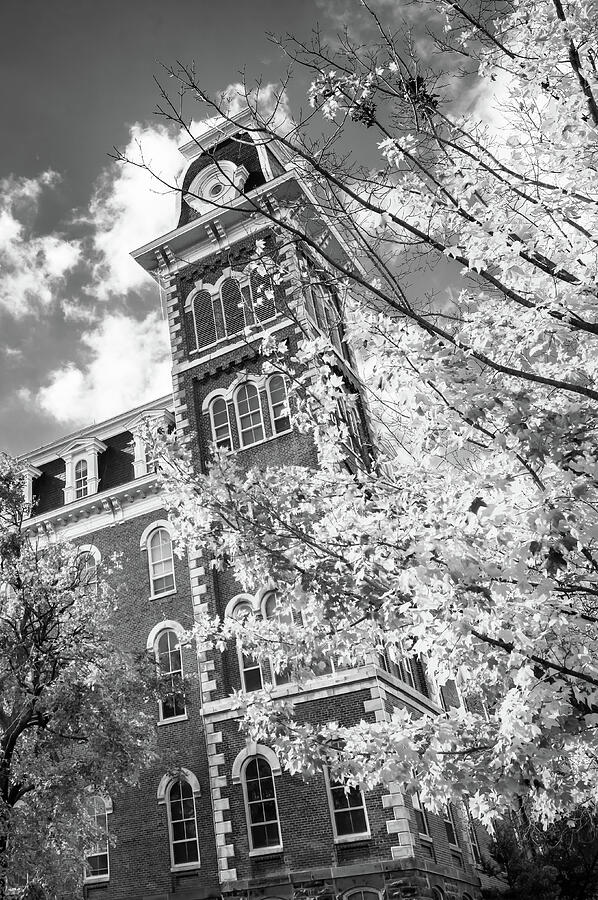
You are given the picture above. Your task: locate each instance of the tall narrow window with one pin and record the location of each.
(284, 615)
(249, 412)
(279, 405)
(349, 816)
(233, 305)
(98, 859)
(203, 317)
(420, 815)
(81, 485)
(449, 824)
(184, 846)
(262, 810)
(220, 423)
(161, 563)
(473, 840)
(88, 573)
(170, 675)
(249, 666)
(262, 291)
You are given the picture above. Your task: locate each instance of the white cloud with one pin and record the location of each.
(130, 207)
(33, 268)
(272, 103)
(129, 363)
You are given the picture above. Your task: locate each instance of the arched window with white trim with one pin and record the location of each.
(88, 560)
(169, 662)
(249, 667)
(220, 423)
(261, 808)
(179, 795)
(280, 416)
(81, 483)
(161, 562)
(348, 811)
(97, 859)
(249, 415)
(273, 609)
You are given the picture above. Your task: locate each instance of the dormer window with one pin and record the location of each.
(81, 479)
(217, 185)
(81, 468)
(146, 461)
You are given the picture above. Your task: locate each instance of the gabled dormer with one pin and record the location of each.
(143, 462)
(81, 468)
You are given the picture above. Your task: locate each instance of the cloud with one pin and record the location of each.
(272, 103)
(33, 268)
(131, 207)
(128, 363)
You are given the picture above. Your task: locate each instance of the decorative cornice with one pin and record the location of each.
(112, 501)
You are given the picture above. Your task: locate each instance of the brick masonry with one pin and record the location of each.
(391, 859)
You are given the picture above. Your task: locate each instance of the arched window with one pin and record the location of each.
(233, 304)
(349, 814)
(365, 893)
(437, 893)
(182, 824)
(249, 415)
(249, 666)
(272, 609)
(161, 563)
(220, 423)
(97, 860)
(279, 405)
(170, 675)
(260, 805)
(81, 484)
(87, 570)
(203, 317)
(262, 294)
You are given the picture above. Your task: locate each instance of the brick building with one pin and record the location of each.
(223, 819)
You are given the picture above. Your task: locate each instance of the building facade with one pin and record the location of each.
(223, 818)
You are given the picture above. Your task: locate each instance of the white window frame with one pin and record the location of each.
(149, 536)
(271, 405)
(247, 384)
(275, 848)
(163, 796)
(169, 629)
(346, 838)
(417, 804)
(213, 425)
(448, 818)
(81, 482)
(99, 879)
(242, 602)
(278, 613)
(91, 553)
(366, 888)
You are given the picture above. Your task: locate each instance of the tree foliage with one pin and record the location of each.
(472, 539)
(72, 718)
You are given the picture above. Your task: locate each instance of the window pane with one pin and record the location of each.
(161, 562)
(281, 421)
(348, 809)
(250, 415)
(220, 423)
(262, 812)
(183, 825)
(81, 479)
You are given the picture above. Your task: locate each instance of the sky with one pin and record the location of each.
(81, 334)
